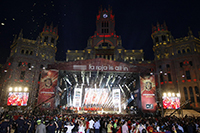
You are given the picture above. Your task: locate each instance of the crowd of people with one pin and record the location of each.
(41, 122)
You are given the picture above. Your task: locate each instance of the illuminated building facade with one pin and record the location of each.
(176, 65)
(105, 43)
(27, 59)
(177, 62)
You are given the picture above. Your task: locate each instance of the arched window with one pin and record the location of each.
(22, 51)
(190, 62)
(161, 78)
(46, 39)
(197, 94)
(185, 93)
(52, 40)
(29, 65)
(19, 64)
(163, 38)
(156, 40)
(169, 77)
(179, 52)
(188, 76)
(27, 51)
(188, 50)
(168, 66)
(183, 51)
(191, 94)
(181, 64)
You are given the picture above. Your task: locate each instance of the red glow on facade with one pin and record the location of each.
(161, 83)
(98, 17)
(195, 80)
(9, 63)
(170, 82)
(112, 16)
(104, 35)
(165, 82)
(183, 81)
(15, 79)
(189, 80)
(26, 80)
(21, 80)
(38, 82)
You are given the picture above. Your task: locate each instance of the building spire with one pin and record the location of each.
(20, 34)
(190, 32)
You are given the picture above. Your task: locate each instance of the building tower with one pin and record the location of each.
(105, 43)
(176, 62)
(27, 59)
(161, 38)
(48, 41)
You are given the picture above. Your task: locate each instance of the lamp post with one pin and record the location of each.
(159, 92)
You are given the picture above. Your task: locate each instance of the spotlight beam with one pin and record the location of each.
(127, 88)
(67, 80)
(108, 80)
(122, 90)
(101, 80)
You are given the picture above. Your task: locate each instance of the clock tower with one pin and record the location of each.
(105, 22)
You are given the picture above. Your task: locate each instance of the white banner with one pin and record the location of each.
(77, 97)
(117, 99)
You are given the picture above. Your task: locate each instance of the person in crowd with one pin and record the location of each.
(87, 126)
(97, 126)
(104, 125)
(26, 124)
(125, 127)
(115, 127)
(91, 125)
(32, 125)
(109, 127)
(60, 124)
(69, 126)
(41, 128)
(81, 128)
(5, 125)
(198, 130)
(20, 123)
(52, 126)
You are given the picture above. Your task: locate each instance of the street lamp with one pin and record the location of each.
(160, 93)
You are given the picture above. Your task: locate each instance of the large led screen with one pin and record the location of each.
(96, 96)
(17, 99)
(171, 102)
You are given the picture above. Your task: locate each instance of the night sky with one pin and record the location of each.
(76, 20)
